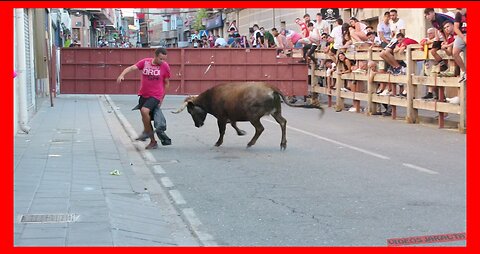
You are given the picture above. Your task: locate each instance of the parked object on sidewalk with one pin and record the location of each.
(238, 102)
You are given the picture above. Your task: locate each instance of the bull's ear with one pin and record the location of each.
(190, 105)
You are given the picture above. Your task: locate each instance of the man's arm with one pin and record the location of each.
(124, 72)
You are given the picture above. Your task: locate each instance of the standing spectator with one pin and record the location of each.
(384, 31)
(303, 27)
(460, 44)
(154, 82)
(68, 41)
(281, 43)
(220, 42)
(269, 40)
(337, 36)
(258, 38)
(437, 20)
(211, 39)
(293, 38)
(427, 44)
(397, 25)
(321, 25)
(196, 39)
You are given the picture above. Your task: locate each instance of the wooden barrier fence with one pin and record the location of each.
(412, 83)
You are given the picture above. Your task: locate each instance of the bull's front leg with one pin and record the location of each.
(239, 131)
(222, 124)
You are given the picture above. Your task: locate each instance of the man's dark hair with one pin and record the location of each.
(320, 14)
(387, 13)
(309, 24)
(340, 21)
(274, 29)
(255, 25)
(159, 51)
(400, 35)
(428, 10)
(446, 22)
(354, 19)
(392, 10)
(370, 33)
(306, 15)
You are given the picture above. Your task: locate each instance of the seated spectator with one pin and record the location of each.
(373, 39)
(396, 46)
(357, 30)
(347, 42)
(460, 43)
(437, 20)
(220, 42)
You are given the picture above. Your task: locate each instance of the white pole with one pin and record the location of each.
(20, 80)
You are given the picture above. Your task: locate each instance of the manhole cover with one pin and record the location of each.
(48, 218)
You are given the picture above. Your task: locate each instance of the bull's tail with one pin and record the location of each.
(299, 105)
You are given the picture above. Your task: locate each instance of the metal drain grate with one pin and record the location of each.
(49, 218)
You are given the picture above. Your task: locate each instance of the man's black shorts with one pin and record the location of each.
(149, 103)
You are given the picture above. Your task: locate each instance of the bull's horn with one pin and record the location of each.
(181, 108)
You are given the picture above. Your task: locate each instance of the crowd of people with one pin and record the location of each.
(448, 33)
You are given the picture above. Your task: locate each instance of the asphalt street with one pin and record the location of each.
(345, 179)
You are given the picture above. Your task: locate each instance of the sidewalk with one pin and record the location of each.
(65, 194)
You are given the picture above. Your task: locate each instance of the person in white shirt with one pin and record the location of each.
(220, 42)
(397, 25)
(321, 25)
(337, 36)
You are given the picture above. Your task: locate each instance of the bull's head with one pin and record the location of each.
(198, 114)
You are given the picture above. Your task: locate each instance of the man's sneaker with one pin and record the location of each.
(428, 96)
(443, 66)
(397, 71)
(463, 78)
(385, 93)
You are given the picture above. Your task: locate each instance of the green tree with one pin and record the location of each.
(201, 14)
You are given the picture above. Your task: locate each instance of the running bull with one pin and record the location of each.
(237, 102)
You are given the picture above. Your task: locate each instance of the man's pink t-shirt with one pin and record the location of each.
(153, 77)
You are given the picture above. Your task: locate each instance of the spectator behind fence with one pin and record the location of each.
(437, 20)
(321, 25)
(397, 25)
(460, 44)
(384, 31)
(358, 30)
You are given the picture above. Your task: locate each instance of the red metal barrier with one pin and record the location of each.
(95, 70)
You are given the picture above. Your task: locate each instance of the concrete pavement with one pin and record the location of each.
(80, 181)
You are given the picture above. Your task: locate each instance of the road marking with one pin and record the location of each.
(167, 183)
(337, 142)
(177, 197)
(196, 224)
(428, 171)
(157, 169)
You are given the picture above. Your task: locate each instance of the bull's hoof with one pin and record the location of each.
(250, 144)
(283, 146)
(241, 133)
